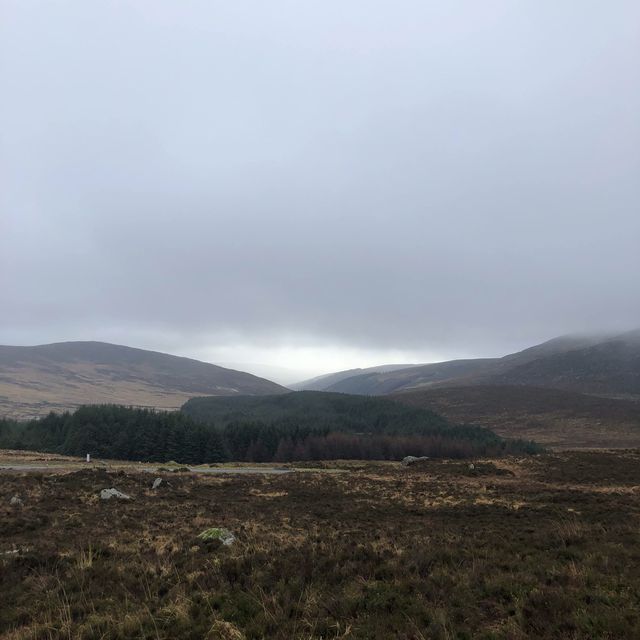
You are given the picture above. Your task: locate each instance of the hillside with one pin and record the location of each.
(328, 380)
(334, 410)
(62, 376)
(607, 368)
(305, 425)
(380, 428)
(389, 382)
(598, 365)
(549, 416)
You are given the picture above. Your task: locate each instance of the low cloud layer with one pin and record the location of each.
(319, 184)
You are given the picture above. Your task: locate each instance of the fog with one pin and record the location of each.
(318, 186)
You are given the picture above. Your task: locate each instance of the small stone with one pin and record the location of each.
(472, 466)
(156, 483)
(16, 501)
(107, 494)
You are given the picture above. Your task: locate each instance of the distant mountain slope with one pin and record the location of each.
(549, 416)
(388, 382)
(323, 413)
(552, 347)
(61, 376)
(604, 365)
(608, 368)
(328, 380)
(338, 410)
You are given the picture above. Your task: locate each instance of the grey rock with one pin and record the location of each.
(16, 501)
(411, 459)
(472, 466)
(107, 494)
(156, 483)
(218, 533)
(228, 539)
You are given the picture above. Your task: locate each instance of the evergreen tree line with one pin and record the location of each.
(110, 431)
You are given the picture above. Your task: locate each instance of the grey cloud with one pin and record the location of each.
(411, 176)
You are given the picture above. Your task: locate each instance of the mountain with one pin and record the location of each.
(65, 375)
(396, 380)
(552, 417)
(598, 365)
(610, 368)
(328, 380)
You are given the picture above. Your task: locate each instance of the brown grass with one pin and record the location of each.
(548, 550)
(551, 417)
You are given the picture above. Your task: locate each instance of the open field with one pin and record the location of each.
(32, 461)
(540, 547)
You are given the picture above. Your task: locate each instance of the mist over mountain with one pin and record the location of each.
(62, 376)
(571, 391)
(609, 367)
(599, 365)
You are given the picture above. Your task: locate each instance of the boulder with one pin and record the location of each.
(16, 501)
(107, 494)
(412, 459)
(217, 533)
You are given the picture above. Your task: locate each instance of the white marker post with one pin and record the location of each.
(88, 457)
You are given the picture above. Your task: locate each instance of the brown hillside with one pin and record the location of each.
(548, 416)
(597, 365)
(36, 380)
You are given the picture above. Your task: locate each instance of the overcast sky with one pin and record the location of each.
(319, 184)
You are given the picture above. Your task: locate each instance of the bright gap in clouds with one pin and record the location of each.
(284, 359)
(289, 364)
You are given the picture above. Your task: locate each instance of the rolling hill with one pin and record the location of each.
(599, 365)
(609, 368)
(328, 380)
(62, 376)
(552, 417)
(392, 381)
(572, 391)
